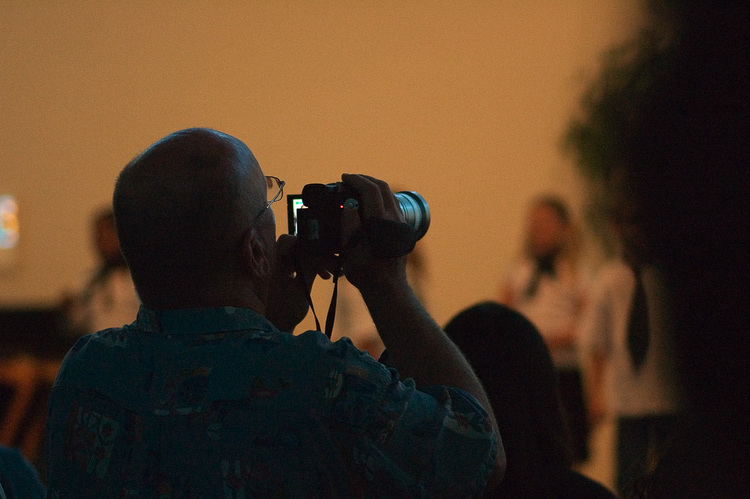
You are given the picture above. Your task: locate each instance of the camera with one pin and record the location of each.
(315, 215)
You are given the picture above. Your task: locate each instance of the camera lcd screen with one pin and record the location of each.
(293, 203)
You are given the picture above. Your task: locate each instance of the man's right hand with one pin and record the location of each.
(361, 266)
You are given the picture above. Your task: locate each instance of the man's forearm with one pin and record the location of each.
(418, 348)
(416, 345)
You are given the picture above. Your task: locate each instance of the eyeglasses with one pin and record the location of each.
(274, 191)
(275, 186)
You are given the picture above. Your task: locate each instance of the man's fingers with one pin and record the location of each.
(285, 254)
(350, 222)
(285, 246)
(377, 199)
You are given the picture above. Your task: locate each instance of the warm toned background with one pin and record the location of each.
(463, 102)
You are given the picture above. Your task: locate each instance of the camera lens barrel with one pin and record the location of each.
(317, 224)
(416, 211)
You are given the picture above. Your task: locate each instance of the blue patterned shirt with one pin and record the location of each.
(218, 403)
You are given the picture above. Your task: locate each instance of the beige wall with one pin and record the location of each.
(463, 102)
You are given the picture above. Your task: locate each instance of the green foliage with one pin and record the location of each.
(605, 135)
(612, 106)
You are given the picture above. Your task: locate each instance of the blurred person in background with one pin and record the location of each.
(627, 338)
(107, 296)
(548, 286)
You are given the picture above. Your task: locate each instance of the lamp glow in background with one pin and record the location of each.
(9, 228)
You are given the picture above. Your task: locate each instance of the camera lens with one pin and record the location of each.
(415, 210)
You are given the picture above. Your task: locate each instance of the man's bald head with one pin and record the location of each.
(181, 209)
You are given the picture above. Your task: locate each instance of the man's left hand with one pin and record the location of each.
(292, 280)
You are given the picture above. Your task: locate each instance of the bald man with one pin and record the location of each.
(207, 394)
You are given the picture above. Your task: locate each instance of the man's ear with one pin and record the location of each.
(254, 254)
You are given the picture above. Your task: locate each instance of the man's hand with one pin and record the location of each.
(292, 279)
(360, 265)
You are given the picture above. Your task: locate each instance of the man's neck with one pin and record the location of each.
(205, 297)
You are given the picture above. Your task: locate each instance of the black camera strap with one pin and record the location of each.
(331, 309)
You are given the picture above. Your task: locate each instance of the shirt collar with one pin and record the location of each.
(200, 320)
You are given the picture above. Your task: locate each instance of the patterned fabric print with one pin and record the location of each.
(218, 403)
(183, 394)
(90, 438)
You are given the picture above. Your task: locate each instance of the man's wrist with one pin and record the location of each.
(383, 285)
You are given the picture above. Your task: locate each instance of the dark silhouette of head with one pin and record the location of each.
(514, 365)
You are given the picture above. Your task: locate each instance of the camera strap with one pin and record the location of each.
(331, 309)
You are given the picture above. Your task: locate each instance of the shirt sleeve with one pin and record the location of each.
(432, 442)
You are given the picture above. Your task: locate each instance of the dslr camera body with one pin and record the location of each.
(315, 218)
